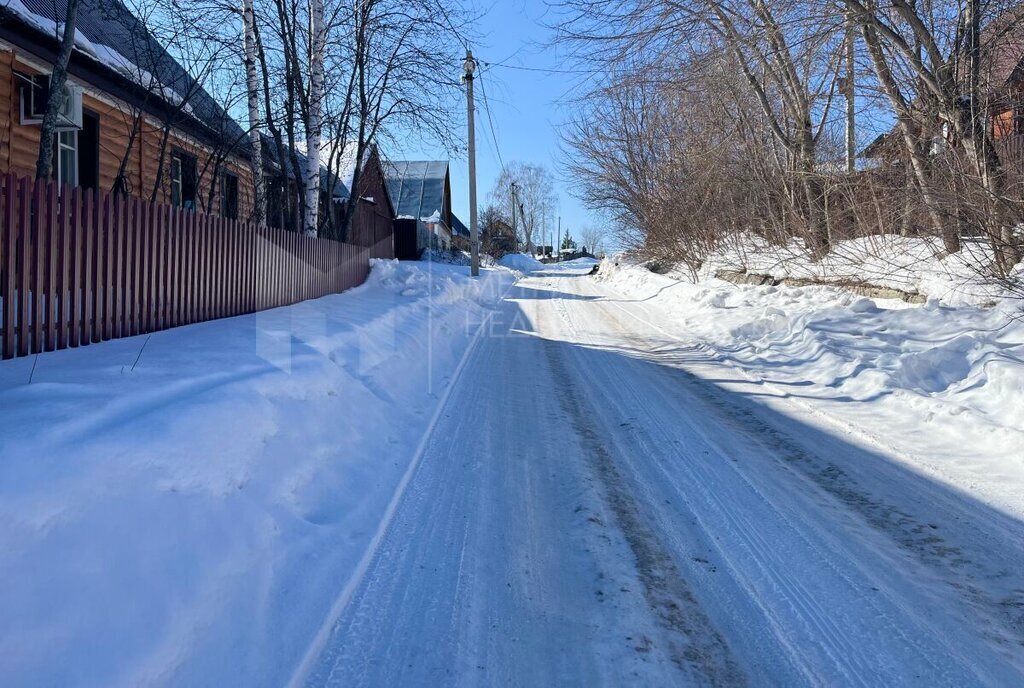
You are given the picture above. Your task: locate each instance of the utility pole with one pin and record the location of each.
(474, 241)
(851, 144)
(558, 246)
(515, 233)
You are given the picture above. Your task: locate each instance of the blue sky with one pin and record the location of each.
(525, 104)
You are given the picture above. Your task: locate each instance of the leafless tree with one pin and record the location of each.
(55, 101)
(533, 188)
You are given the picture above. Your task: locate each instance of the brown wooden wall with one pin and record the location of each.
(19, 145)
(372, 223)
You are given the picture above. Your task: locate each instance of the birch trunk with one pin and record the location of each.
(55, 102)
(316, 92)
(252, 84)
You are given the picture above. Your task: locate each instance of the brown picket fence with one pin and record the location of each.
(79, 267)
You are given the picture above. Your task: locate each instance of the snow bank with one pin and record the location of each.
(580, 262)
(939, 382)
(185, 507)
(454, 257)
(520, 262)
(913, 264)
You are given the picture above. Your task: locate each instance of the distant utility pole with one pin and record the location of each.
(515, 233)
(474, 241)
(558, 246)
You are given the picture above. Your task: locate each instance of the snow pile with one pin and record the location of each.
(580, 262)
(931, 379)
(520, 262)
(914, 264)
(454, 257)
(185, 507)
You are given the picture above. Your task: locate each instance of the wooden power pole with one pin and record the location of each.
(474, 244)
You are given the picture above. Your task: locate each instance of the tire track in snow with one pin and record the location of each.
(922, 539)
(696, 646)
(319, 641)
(998, 619)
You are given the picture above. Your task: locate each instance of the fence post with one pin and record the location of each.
(73, 267)
(9, 247)
(88, 273)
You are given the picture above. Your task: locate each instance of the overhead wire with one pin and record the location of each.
(490, 124)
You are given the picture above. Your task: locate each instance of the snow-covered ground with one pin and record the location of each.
(944, 385)
(630, 511)
(520, 262)
(184, 508)
(620, 479)
(913, 264)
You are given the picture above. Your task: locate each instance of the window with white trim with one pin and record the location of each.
(183, 180)
(67, 157)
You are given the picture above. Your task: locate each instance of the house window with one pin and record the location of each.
(183, 180)
(229, 196)
(67, 157)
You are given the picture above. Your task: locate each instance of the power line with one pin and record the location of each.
(490, 124)
(545, 70)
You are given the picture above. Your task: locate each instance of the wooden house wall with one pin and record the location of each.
(371, 222)
(1002, 124)
(19, 144)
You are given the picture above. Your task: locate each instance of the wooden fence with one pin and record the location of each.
(78, 267)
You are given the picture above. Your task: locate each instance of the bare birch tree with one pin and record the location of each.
(252, 90)
(313, 125)
(55, 101)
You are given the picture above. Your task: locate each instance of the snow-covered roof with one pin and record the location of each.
(108, 33)
(344, 163)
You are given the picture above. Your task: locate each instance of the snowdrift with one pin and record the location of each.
(913, 264)
(520, 262)
(185, 507)
(939, 382)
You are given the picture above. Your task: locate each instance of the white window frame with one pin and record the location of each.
(69, 177)
(177, 180)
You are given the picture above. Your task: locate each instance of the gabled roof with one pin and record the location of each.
(110, 35)
(458, 227)
(1002, 42)
(417, 187)
(345, 165)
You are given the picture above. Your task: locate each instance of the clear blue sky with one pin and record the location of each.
(526, 105)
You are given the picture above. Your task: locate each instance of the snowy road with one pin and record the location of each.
(599, 503)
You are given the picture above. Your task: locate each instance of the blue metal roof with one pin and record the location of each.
(417, 187)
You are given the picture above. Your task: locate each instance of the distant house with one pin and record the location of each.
(373, 219)
(421, 193)
(134, 119)
(282, 183)
(1002, 89)
(460, 234)
(497, 237)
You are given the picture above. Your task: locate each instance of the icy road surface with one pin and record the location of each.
(599, 504)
